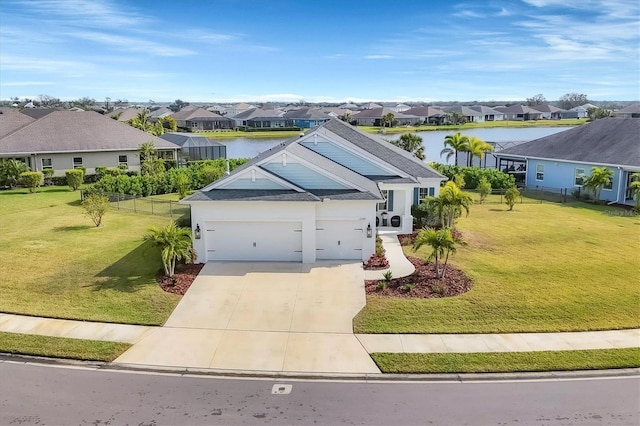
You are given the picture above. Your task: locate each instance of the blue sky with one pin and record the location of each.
(258, 50)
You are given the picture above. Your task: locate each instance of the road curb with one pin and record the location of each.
(378, 377)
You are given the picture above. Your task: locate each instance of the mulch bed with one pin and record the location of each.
(182, 279)
(427, 286)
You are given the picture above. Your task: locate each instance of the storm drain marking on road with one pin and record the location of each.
(279, 389)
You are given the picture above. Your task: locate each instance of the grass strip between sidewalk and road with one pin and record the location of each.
(507, 362)
(60, 347)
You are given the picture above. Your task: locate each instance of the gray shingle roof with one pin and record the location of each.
(307, 113)
(517, 109)
(382, 149)
(197, 113)
(11, 120)
(463, 110)
(187, 140)
(69, 131)
(258, 113)
(381, 112)
(251, 195)
(425, 111)
(614, 141)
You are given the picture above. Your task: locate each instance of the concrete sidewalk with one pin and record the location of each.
(398, 263)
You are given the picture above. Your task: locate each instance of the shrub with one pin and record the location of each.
(382, 285)
(31, 180)
(180, 182)
(380, 251)
(48, 174)
(425, 215)
(74, 178)
(484, 188)
(10, 172)
(100, 172)
(472, 175)
(388, 276)
(122, 167)
(510, 196)
(409, 287)
(438, 289)
(96, 206)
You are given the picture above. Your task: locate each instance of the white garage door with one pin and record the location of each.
(339, 239)
(254, 241)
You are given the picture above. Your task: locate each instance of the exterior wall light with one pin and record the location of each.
(197, 232)
(369, 231)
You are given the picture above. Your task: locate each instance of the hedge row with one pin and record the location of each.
(472, 175)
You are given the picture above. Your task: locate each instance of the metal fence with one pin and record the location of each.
(147, 205)
(530, 195)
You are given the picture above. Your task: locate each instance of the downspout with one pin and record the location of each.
(619, 185)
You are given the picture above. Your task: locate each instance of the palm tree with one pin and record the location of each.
(599, 178)
(442, 242)
(450, 203)
(174, 243)
(411, 143)
(388, 119)
(634, 186)
(477, 147)
(347, 117)
(142, 121)
(453, 144)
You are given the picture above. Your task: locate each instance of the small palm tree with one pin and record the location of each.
(599, 178)
(477, 148)
(635, 188)
(411, 143)
(174, 243)
(442, 242)
(453, 144)
(450, 203)
(388, 119)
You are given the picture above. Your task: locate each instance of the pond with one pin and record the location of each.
(433, 141)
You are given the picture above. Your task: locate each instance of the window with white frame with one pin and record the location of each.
(579, 177)
(539, 171)
(422, 194)
(122, 159)
(77, 162)
(383, 204)
(47, 164)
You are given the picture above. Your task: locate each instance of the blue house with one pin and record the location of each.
(307, 118)
(562, 160)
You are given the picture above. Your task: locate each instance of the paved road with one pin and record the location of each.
(33, 394)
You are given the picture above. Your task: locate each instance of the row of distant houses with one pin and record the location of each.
(249, 117)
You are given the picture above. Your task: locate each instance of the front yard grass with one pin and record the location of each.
(507, 362)
(56, 263)
(539, 268)
(61, 347)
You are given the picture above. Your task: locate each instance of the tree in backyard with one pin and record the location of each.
(453, 144)
(96, 206)
(484, 188)
(477, 148)
(599, 178)
(450, 203)
(74, 178)
(442, 242)
(174, 243)
(456, 118)
(177, 105)
(387, 119)
(347, 117)
(571, 100)
(10, 171)
(536, 100)
(143, 122)
(31, 180)
(595, 113)
(412, 143)
(150, 163)
(169, 123)
(511, 196)
(634, 186)
(181, 182)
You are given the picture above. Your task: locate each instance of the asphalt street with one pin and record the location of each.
(41, 395)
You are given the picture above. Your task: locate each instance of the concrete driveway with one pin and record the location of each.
(272, 317)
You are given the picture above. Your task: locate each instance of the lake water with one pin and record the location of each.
(433, 141)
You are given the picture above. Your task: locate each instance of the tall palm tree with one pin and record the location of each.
(450, 203)
(599, 178)
(453, 144)
(388, 119)
(442, 242)
(412, 143)
(174, 243)
(477, 148)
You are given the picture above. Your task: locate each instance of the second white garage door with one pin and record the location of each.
(254, 241)
(339, 239)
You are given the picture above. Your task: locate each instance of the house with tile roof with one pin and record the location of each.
(563, 160)
(64, 140)
(320, 196)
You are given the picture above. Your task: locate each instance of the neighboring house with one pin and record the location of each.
(195, 147)
(578, 112)
(374, 117)
(257, 118)
(65, 140)
(125, 114)
(11, 119)
(549, 112)
(519, 113)
(428, 114)
(316, 197)
(197, 119)
(161, 112)
(562, 160)
(236, 109)
(471, 115)
(630, 111)
(307, 118)
(371, 105)
(349, 105)
(487, 113)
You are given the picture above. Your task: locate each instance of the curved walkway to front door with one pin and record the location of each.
(281, 317)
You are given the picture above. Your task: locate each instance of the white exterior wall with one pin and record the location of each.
(90, 160)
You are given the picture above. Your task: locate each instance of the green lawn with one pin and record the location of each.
(252, 135)
(482, 125)
(540, 268)
(56, 263)
(506, 362)
(61, 347)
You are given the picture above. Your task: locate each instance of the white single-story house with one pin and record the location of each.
(320, 196)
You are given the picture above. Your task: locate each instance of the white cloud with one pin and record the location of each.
(27, 83)
(132, 44)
